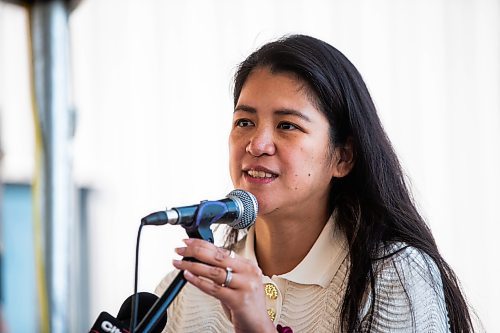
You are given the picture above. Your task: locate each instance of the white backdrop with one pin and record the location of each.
(152, 86)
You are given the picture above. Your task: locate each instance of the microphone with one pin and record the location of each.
(238, 210)
(106, 323)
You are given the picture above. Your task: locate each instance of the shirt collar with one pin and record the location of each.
(322, 261)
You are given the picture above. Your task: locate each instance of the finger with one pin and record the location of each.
(225, 294)
(207, 245)
(210, 255)
(216, 274)
(232, 298)
(214, 256)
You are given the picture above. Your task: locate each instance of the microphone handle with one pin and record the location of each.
(160, 307)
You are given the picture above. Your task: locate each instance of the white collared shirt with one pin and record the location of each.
(317, 269)
(309, 297)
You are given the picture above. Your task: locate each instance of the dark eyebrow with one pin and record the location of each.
(284, 112)
(291, 112)
(245, 108)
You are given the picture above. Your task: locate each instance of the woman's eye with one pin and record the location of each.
(243, 123)
(287, 126)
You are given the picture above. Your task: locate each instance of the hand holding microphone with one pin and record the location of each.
(234, 280)
(217, 271)
(238, 210)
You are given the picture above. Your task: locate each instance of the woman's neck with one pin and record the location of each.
(282, 243)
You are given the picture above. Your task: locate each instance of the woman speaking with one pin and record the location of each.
(338, 245)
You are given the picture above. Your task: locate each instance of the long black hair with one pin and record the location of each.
(372, 203)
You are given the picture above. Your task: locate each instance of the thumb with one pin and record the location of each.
(227, 311)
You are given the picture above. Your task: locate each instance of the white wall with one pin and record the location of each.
(152, 84)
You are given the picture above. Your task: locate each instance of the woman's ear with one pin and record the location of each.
(343, 159)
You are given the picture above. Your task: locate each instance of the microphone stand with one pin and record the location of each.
(200, 229)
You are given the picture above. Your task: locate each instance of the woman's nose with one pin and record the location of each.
(261, 143)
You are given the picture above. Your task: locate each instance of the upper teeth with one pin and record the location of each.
(259, 174)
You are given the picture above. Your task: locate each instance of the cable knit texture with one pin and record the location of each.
(409, 298)
(409, 293)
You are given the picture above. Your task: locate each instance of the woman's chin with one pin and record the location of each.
(266, 200)
(267, 208)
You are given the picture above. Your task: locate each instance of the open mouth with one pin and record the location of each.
(260, 174)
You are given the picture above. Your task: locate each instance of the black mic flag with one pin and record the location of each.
(106, 323)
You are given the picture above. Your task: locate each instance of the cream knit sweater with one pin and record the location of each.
(308, 299)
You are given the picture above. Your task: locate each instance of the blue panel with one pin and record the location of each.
(18, 270)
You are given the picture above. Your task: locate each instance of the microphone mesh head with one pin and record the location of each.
(249, 206)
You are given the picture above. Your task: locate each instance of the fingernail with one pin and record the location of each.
(187, 241)
(176, 263)
(180, 250)
(188, 274)
(219, 255)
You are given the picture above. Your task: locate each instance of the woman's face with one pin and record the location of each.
(279, 145)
